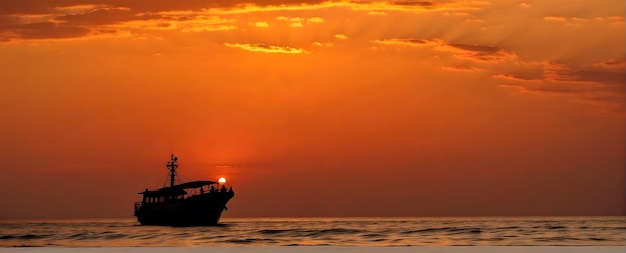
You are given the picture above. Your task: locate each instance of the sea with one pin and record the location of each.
(403, 231)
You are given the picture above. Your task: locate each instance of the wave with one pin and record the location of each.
(586, 231)
(449, 230)
(23, 237)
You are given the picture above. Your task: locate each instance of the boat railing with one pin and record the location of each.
(137, 206)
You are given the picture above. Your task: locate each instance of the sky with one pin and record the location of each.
(315, 108)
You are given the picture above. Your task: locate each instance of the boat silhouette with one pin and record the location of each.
(195, 203)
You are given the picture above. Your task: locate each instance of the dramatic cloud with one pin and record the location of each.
(66, 20)
(263, 48)
(44, 6)
(409, 42)
(95, 15)
(197, 24)
(377, 7)
(479, 53)
(462, 69)
(590, 84)
(600, 83)
(578, 21)
(613, 64)
(47, 30)
(80, 18)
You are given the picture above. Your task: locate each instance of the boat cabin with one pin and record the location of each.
(180, 192)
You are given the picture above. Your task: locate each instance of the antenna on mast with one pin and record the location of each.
(172, 165)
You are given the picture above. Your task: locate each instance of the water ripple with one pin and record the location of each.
(572, 231)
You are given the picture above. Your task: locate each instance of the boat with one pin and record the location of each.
(195, 203)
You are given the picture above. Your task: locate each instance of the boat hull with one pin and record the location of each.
(199, 210)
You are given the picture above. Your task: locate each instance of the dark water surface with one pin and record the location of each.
(475, 231)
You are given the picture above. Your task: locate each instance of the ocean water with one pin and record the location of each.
(466, 231)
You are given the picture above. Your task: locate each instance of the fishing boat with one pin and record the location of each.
(195, 203)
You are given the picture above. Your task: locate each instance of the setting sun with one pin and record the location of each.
(221, 180)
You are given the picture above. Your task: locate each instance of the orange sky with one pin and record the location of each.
(315, 108)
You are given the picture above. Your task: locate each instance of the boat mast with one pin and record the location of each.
(172, 165)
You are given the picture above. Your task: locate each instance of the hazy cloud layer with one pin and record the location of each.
(596, 84)
(263, 48)
(24, 20)
(44, 6)
(601, 83)
(75, 19)
(472, 52)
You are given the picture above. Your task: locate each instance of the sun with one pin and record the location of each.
(221, 180)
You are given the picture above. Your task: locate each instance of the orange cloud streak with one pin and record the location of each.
(263, 48)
